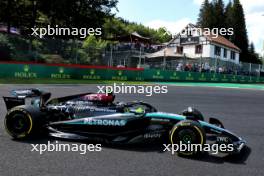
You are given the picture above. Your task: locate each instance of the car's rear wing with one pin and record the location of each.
(20, 96)
(26, 93)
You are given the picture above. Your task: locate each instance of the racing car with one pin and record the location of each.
(97, 117)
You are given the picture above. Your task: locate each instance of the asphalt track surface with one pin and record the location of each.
(241, 111)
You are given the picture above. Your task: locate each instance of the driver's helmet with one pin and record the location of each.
(136, 110)
(193, 114)
(139, 110)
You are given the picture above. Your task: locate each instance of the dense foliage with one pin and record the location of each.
(215, 14)
(26, 14)
(118, 27)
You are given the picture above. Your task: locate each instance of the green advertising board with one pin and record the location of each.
(33, 71)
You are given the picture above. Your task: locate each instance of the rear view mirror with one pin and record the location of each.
(216, 122)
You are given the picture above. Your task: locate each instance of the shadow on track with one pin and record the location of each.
(240, 158)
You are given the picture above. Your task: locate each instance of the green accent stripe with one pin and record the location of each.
(217, 85)
(165, 116)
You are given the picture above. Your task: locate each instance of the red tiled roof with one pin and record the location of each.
(222, 41)
(218, 40)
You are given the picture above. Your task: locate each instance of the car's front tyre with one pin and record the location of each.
(189, 137)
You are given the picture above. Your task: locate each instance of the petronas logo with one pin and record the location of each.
(174, 74)
(189, 74)
(119, 73)
(202, 75)
(26, 68)
(92, 72)
(158, 72)
(61, 70)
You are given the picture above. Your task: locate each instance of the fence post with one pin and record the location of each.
(250, 69)
(164, 60)
(200, 69)
(184, 61)
(140, 54)
(111, 55)
(76, 53)
(259, 70)
(215, 64)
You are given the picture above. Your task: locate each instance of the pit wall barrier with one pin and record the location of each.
(19, 70)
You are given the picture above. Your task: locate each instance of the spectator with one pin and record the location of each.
(179, 67)
(220, 70)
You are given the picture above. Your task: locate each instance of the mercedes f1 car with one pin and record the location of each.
(96, 117)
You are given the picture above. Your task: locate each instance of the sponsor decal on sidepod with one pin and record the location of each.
(105, 122)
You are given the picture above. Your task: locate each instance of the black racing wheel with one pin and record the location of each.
(187, 133)
(23, 121)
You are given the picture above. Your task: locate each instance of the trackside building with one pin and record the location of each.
(197, 45)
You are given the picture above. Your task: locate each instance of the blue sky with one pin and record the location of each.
(144, 11)
(175, 14)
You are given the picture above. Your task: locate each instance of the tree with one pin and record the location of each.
(119, 27)
(251, 48)
(229, 18)
(6, 12)
(114, 27)
(91, 51)
(240, 37)
(252, 55)
(212, 15)
(6, 48)
(162, 35)
(205, 19)
(218, 14)
(77, 13)
(27, 14)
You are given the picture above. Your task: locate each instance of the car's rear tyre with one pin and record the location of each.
(23, 121)
(187, 133)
